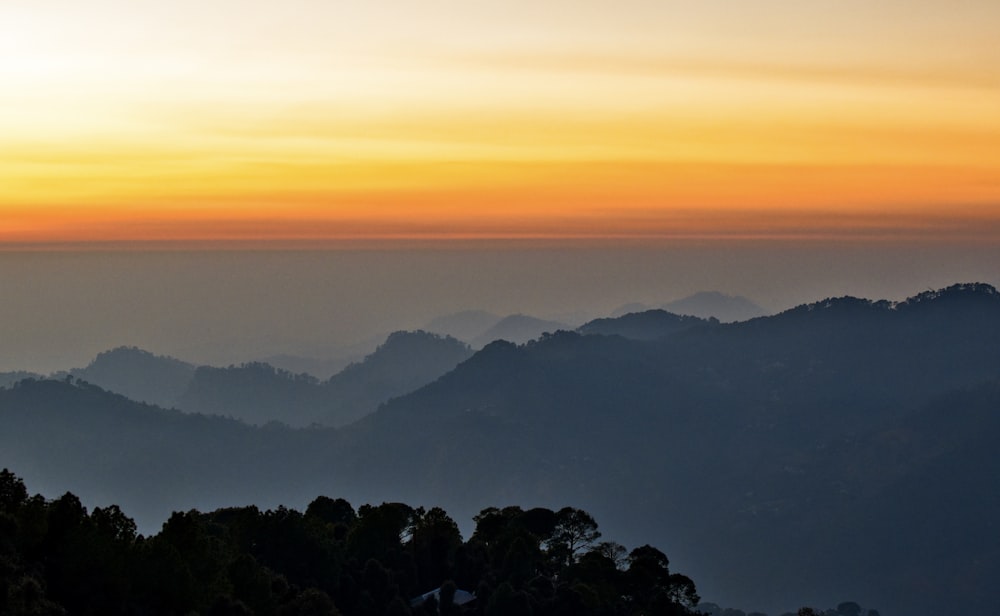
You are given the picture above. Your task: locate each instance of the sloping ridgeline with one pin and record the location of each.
(758, 451)
(839, 449)
(258, 393)
(62, 436)
(139, 375)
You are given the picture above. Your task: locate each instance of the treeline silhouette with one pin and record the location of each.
(392, 559)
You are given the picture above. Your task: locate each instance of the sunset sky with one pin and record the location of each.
(592, 119)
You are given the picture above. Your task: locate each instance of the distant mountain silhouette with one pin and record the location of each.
(255, 393)
(705, 305)
(138, 374)
(107, 448)
(322, 369)
(466, 325)
(629, 309)
(517, 328)
(9, 378)
(712, 304)
(403, 363)
(648, 325)
(321, 361)
(258, 393)
(840, 448)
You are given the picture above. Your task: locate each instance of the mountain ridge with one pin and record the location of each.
(819, 430)
(259, 393)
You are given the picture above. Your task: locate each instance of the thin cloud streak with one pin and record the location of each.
(972, 77)
(642, 226)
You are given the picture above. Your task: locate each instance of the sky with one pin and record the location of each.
(138, 121)
(223, 180)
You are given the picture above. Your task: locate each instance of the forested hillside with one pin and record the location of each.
(392, 559)
(258, 393)
(779, 461)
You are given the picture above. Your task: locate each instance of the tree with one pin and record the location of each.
(447, 605)
(540, 522)
(12, 491)
(596, 579)
(506, 602)
(201, 553)
(67, 516)
(650, 584)
(380, 530)
(648, 567)
(520, 563)
(331, 511)
(376, 580)
(434, 540)
(613, 551)
(113, 524)
(493, 523)
(849, 608)
(681, 590)
(310, 602)
(27, 597)
(251, 584)
(575, 531)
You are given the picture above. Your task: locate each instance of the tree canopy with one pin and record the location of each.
(57, 558)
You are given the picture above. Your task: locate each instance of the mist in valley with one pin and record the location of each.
(59, 309)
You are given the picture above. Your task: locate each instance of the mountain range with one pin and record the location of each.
(844, 448)
(704, 304)
(257, 392)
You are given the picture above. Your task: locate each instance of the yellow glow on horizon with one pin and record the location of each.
(143, 121)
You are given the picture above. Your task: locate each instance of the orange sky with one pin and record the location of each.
(132, 121)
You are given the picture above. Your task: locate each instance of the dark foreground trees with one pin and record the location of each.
(56, 558)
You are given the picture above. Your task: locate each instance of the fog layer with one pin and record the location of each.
(58, 309)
